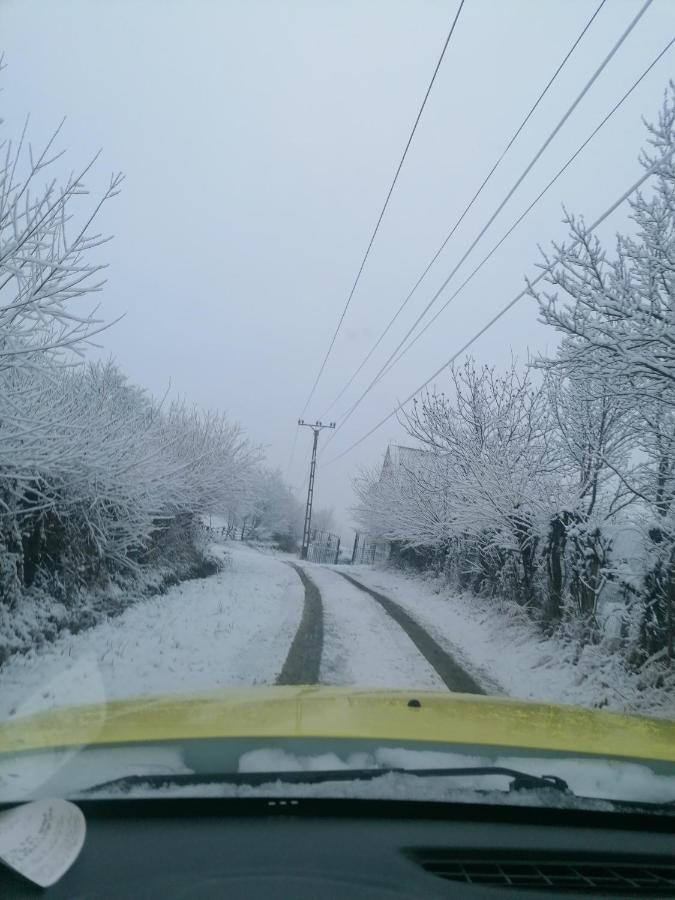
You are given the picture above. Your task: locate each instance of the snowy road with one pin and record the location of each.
(262, 620)
(362, 644)
(453, 675)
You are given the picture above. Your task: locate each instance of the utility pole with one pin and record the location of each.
(316, 428)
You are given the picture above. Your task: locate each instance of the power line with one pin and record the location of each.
(469, 205)
(530, 207)
(519, 181)
(647, 174)
(384, 207)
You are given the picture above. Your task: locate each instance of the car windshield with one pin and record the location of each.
(337, 400)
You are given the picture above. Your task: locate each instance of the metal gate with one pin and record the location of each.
(324, 547)
(367, 550)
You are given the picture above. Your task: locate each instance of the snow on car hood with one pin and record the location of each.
(342, 713)
(277, 729)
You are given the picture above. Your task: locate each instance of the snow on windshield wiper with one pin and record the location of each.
(518, 780)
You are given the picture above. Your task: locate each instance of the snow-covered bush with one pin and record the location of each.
(102, 473)
(273, 512)
(100, 485)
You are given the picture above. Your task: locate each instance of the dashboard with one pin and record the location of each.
(238, 848)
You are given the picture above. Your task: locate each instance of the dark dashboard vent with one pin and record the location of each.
(607, 876)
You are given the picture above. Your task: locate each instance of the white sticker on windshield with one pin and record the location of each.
(41, 840)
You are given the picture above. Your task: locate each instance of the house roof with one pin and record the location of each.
(400, 455)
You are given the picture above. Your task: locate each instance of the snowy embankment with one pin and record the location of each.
(233, 628)
(362, 645)
(511, 656)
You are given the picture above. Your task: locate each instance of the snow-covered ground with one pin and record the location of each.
(233, 628)
(236, 628)
(362, 644)
(508, 653)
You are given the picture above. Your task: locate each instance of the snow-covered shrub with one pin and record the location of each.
(100, 485)
(273, 512)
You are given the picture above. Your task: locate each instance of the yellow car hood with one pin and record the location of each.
(336, 712)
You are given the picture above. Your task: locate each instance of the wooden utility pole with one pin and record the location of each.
(316, 428)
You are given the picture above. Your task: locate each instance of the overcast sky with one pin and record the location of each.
(259, 139)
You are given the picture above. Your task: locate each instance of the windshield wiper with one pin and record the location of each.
(518, 780)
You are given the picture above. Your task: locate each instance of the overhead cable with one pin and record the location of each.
(382, 211)
(399, 406)
(530, 207)
(468, 207)
(519, 181)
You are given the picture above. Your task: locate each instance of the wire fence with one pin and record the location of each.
(324, 547)
(367, 550)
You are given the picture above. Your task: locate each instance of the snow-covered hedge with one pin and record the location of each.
(100, 484)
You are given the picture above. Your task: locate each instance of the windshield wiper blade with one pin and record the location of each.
(519, 780)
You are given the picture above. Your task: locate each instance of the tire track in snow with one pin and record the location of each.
(362, 645)
(303, 662)
(452, 674)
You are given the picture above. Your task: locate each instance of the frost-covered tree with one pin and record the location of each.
(46, 243)
(275, 513)
(104, 469)
(592, 439)
(492, 436)
(46, 264)
(404, 502)
(92, 469)
(525, 483)
(617, 314)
